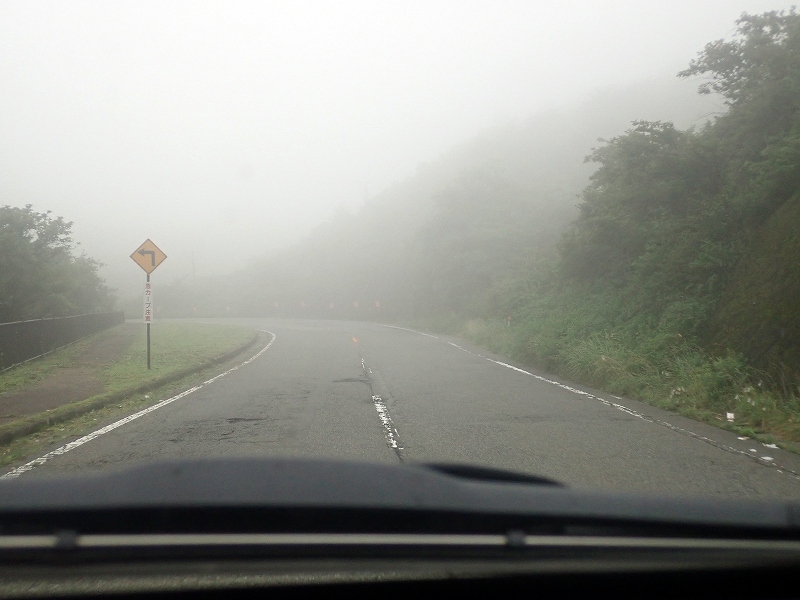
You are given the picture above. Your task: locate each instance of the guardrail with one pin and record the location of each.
(21, 341)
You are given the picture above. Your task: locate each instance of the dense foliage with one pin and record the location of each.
(39, 274)
(670, 215)
(679, 281)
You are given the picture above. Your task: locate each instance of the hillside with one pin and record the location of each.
(678, 282)
(408, 246)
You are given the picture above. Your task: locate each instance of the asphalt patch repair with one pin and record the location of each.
(70, 384)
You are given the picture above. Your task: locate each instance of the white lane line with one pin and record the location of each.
(411, 330)
(389, 430)
(102, 431)
(766, 460)
(459, 347)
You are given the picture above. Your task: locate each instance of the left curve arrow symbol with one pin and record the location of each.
(152, 256)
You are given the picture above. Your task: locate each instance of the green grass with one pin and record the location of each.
(173, 346)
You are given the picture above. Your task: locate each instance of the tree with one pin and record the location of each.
(649, 187)
(766, 51)
(39, 274)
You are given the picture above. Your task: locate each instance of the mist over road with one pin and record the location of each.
(365, 391)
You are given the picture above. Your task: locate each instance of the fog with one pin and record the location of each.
(224, 131)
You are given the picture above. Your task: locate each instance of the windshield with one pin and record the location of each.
(553, 238)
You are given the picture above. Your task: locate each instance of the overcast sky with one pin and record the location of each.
(223, 130)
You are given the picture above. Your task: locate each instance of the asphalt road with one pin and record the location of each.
(369, 392)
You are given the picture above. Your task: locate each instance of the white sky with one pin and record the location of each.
(223, 130)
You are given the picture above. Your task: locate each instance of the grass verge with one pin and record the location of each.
(175, 346)
(179, 350)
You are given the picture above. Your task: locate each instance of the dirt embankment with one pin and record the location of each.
(79, 381)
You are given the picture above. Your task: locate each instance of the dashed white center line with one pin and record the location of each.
(389, 430)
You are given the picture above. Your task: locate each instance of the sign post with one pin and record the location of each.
(148, 256)
(148, 313)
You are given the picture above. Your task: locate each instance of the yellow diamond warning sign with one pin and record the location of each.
(148, 256)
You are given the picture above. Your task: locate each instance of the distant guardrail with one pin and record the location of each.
(21, 341)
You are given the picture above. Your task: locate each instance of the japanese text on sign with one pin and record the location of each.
(148, 302)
